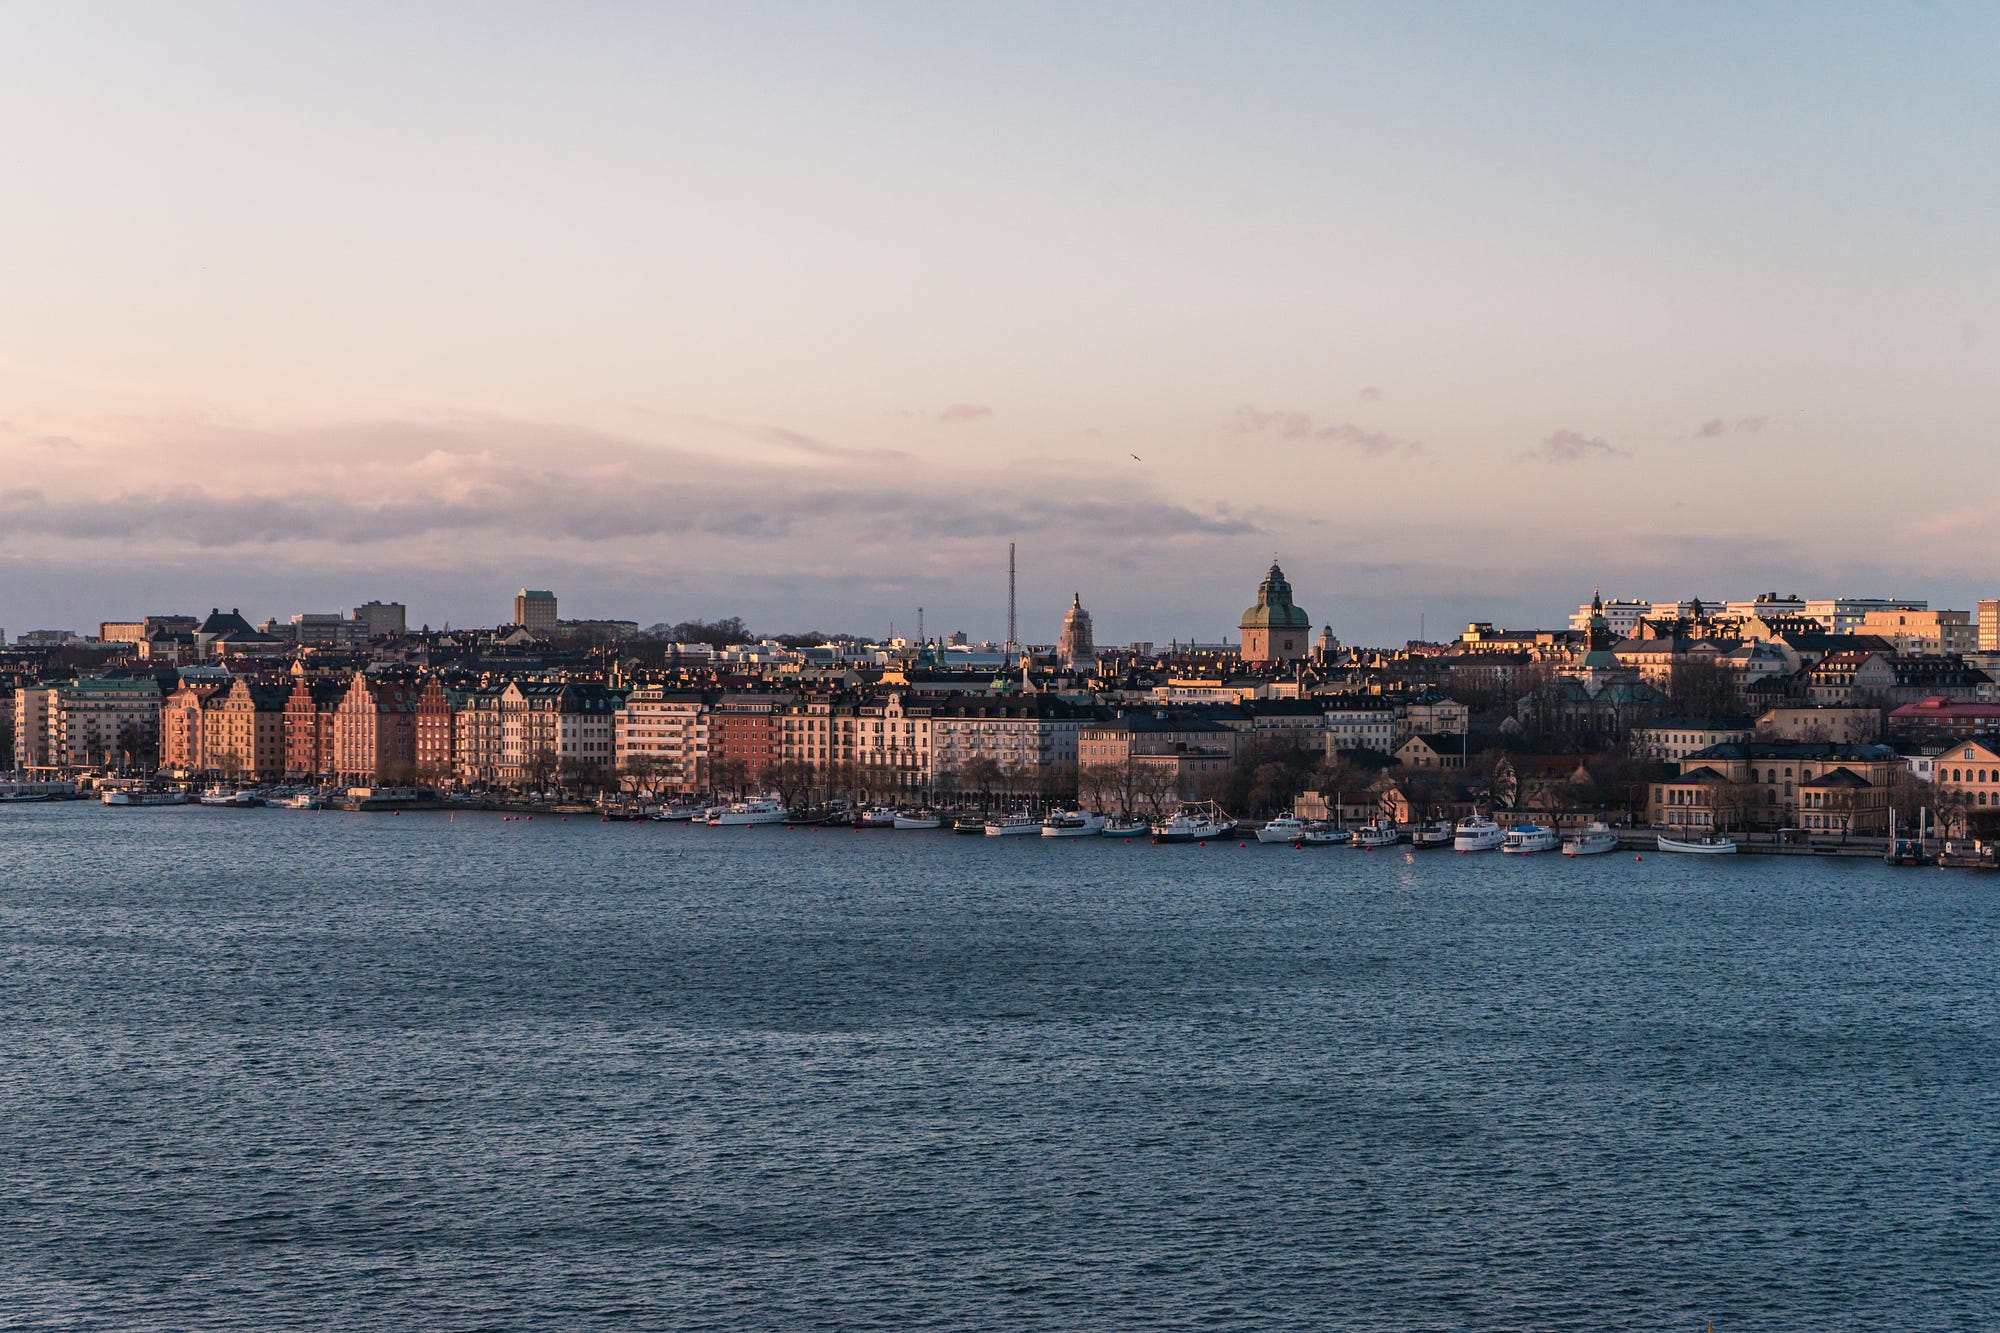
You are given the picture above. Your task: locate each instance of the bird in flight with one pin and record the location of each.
(1137, 459)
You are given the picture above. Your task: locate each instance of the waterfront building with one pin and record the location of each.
(892, 743)
(374, 732)
(661, 740)
(476, 736)
(309, 713)
(1033, 741)
(435, 732)
(183, 734)
(1766, 785)
(1969, 772)
(93, 722)
(1274, 630)
(243, 731)
(535, 611)
(745, 740)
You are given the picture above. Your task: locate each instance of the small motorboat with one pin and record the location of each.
(1526, 839)
(1195, 822)
(1477, 834)
(973, 825)
(1708, 844)
(1433, 835)
(1073, 824)
(1285, 828)
(1594, 840)
(230, 799)
(1324, 835)
(917, 819)
(1125, 828)
(880, 817)
(1376, 833)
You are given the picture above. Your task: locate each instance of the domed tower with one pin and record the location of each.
(1075, 648)
(1274, 630)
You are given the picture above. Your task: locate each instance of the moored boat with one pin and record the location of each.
(1594, 840)
(742, 813)
(1435, 834)
(971, 825)
(1376, 833)
(1477, 834)
(1125, 828)
(880, 817)
(231, 798)
(1019, 824)
(1708, 844)
(127, 798)
(1194, 822)
(679, 812)
(1526, 839)
(917, 819)
(1325, 835)
(1073, 824)
(1285, 828)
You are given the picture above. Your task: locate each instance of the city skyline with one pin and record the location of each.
(307, 311)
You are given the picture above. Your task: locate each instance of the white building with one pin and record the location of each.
(1361, 728)
(661, 739)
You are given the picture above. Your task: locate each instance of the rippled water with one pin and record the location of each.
(271, 1069)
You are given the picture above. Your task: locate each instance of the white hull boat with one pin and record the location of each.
(231, 800)
(1592, 841)
(918, 820)
(1527, 839)
(1325, 835)
(1425, 836)
(1014, 826)
(744, 813)
(1073, 824)
(1371, 836)
(1283, 829)
(1477, 834)
(143, 799)
(1195, 823)
(1703, 846)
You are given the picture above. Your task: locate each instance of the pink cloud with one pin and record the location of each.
(1341, 434)
(962, 412)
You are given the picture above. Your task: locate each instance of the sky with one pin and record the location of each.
(802, 313)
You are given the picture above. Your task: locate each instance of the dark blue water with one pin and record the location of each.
(271, 1069)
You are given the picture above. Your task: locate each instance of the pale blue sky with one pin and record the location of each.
(1459, 309)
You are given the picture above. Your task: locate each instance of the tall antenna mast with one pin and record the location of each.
(920, 626)
(1010, 595)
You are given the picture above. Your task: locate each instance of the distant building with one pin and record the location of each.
(1929, 632)
(121, 631)
(535, 610)
(1620, 615)
(1274, 630)
(1075, 648)
(1989, 627)
(321, 629)
(381, 620)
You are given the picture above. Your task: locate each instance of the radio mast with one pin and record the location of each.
(1010, 597)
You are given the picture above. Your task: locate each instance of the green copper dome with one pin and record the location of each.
(1274, 609)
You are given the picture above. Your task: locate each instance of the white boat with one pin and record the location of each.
(880, 817)
(1375, 834)
(231, 799)
(740, 813)
(1195, 822)
(1073, 824)
(1595, 840)
(1325, 835)
(304, 800)
(1706, 845)
(1285, 828)
(1019, 824)
(135, 799)
(1125, 828)
(1437, 833)
(1477, 834)
(1525, 839)
(676, 812)
(918, 819)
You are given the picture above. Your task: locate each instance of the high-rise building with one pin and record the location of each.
(535, 610)
(1989, 627)
(380, 620)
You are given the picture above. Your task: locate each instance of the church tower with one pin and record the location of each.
(1274, 630)
(1075, 649)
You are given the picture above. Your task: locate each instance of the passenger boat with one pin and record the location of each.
(304, 800)
(1324, 835)
(974, 825)
(1194, 822)
(1125, 828)
(231, 799)
(677, 812)
(127, 798)
(1708, 844)
(1526, 839)
(1285, 828)
(917, 819)
(1073, 824)
(880, 817)
(1477, 834)
(1438, 833)
(1016, 825)
(1376, 834)
(740, 813)
(1594, 840)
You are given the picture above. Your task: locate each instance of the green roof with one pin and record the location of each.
(1274, 609)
